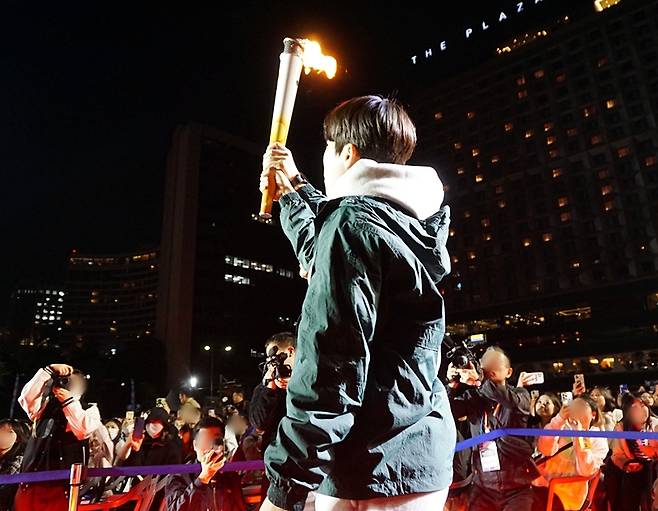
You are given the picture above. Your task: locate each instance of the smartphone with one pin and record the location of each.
(138, 432)
(534, 394)
(579, 380)
(130, 415)
(534, 378)
(623, 389)
(566, 397)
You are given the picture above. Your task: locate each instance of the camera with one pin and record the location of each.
(461, 353)
(61, 382)
(277, 359)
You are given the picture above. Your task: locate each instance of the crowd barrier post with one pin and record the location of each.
(75, 481)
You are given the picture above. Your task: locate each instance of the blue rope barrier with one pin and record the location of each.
(237, 466)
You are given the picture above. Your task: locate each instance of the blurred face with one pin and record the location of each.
(335, 165)
(78, 385)
(581, 411)
(154, 428)
(238, 397)
(544, 407)
(495, 367)
(7, 437)
(238, 424)
(638, 413)
(598, 396)
(205, 440)
(647, 399)
(112, 429)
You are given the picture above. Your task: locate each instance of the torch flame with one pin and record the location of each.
(315, 60)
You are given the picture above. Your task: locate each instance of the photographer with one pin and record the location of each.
(206, 491)
(268, 402)
(502, 469)
(62, 427)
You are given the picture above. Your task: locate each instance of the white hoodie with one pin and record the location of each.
(417, 189)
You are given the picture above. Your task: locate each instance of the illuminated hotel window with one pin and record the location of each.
(471, 255)
(475, 152)
(479, 178)
(572, 132)
(528, 133)
(237, 279)
(649, 161)
(623, 152)
(487, 236)
(499, 189)
(495, 158)
(520, 80)
(451, 233)
(548, 126)
(565, 217)
(527, 242)
(609, 205)
(455, 259)
(557, 172)
(470, 115)
(522, 94)
(575, 264)
(457, 145)
(588, 111)
(562, 201)
(467, 214)
(596, 139)
(606, 190)
(502, 204)
(539, 73)
(611, 103)
(508, 126)
(560, 78)
(553, 153)
(485, 222)
(438, 116)
(550, 140)
(547, 236)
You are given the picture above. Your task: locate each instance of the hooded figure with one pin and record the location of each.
(367, 417)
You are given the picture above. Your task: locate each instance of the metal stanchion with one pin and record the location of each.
(75, 481)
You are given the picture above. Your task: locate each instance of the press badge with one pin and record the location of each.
(489, 456)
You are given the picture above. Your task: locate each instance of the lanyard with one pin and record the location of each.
(486, 418)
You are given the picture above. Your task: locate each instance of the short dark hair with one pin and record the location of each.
(379, 127)
(208, 422)
(282, 340)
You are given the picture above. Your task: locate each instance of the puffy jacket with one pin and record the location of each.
(366, 414)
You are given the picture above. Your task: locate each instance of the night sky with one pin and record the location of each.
(90, 95)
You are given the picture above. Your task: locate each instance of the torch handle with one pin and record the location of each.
(267, 198)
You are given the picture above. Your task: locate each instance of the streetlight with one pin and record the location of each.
(228, 348)
(209, 348)
(193, 382)
(206, 347)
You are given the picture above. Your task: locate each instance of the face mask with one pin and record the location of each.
(113, 431)
(154, 429)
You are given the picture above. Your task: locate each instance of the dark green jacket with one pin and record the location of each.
(366, 414)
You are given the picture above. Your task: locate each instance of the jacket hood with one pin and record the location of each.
(417, 189)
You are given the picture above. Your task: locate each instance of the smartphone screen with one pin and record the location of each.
(130, 415)
(138, 432)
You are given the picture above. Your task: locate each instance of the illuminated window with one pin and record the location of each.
(560, 78)
(553, 153)
(649, 161)
(470, 115)
(609, 205)
(479, 178)
(485, 222)
(495, 158)
(467, 214)
(520, 80)
(501, 204)
(547, 236)
(475, 152)
(557, 172)
(522, 94)
(588, 111)
(457, 145)
(455, 259)
(470, 255)
(487, 236)
(548, 126)
(596, 139)
(622, 152)
(550, 140)
(509, 126)
(527, 242)
(539, 73)
(575, 264)
(460, 171)
(438, 116)
(562, 201)
(606, 190)
(528, 133)
(451, 233)
(565, 217)
(611, 103)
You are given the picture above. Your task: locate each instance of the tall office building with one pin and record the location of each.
(227, 280)
(110, 298)
(548, 152)
(35, 315)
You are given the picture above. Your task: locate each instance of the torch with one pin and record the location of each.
(297, 54)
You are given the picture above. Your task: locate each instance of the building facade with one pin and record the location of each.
(549, 156)
(36, 315)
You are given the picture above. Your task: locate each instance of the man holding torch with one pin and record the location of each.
(368, 424)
